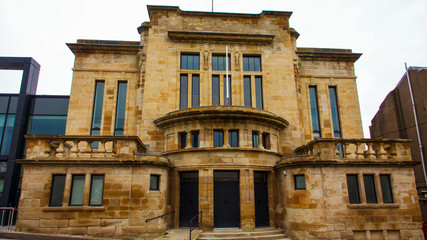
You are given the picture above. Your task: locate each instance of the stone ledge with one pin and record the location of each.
(74, 209)
(373, 205)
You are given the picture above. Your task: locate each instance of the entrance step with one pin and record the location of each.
(238, 234)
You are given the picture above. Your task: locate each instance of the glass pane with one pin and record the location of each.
(196, 62)
(245, 64)
(218, 138)
(190, 62)
(47, 125)
(2, 122)
(154, 182)
(7, 135)
(386, 189)
(4, 101)
(258, 92)
(97, 106)
(233, 137)
(195, 138)
(183, 140)
(353, 189)
(314, 112)
(13, 104)
(184, 63)
(120, 109)
(251, 64)
(299, 181)
(255, 140)
(334, 111)
(183, 102)
(96, 190)
(1, 185)
(227, 101)
(195, 92)
(77, 190)
(57, 191)
(215, 91)
(257, 62)
(247, 91)
(371, 196)
(215, 63)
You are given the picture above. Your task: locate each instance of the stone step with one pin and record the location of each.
(238, 234)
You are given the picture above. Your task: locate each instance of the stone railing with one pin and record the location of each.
(54, 146)
(358, 149)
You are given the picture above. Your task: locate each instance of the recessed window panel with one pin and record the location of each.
(183, 93)
(96, 190)
(218, 138)
(47, 125)
(233, 138)
(120, 109)
(77, 190)
(386, 189)
(353, 189)
(190, 62)
(370, 191)
(57, 190)
(299, 181)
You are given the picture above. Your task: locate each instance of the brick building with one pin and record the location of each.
(218, 113)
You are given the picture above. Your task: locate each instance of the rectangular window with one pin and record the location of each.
(182, 139)
(215, 91)
(266, 140)
(219, 64)
(299, 182)
(7, 134)
(97, 108)
(386, 189)
(96, 190)
(218, 136)
(46, 125)
(258, 93)
(247, 92)
(183, 94)
(195, 139)
(335, 112)
(252, 63)
(57, 190)
(370, 192)
(154, 182)
(314, 112)
(233, 138)
(195, 91)
(353, 188)
(190, 61)
(120, 109)
(227, 101)
(255, 139)
(77, 190)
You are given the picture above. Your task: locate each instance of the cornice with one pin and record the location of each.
(328, 56)
(189, 36)
(104, 48)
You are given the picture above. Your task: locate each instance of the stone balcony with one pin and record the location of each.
(354, 151)
(89, 149)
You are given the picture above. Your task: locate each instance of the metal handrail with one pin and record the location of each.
(191, 221)
(149, 219)
(10, 218)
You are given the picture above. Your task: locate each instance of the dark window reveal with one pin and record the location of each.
(353, 188)
(120, 109)
(266, 140)
(195, 139)
(182, 139)
(233, 138)
(371, 195)
(299, 182)
(57, 190)
(218, 138)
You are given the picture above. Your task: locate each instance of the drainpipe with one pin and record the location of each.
(416, 125)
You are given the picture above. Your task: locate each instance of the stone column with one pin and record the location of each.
(206, 202)
(247, 199)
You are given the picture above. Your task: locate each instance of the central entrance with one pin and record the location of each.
(226, 199)
(189, 197)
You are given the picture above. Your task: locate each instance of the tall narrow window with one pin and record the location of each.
(77, 190)
(353, 188)
(251, 63)
(227, 101)
(266, 140)
(183, 96)
(195, 139)
(314, 112)
(255, 139)
(57, 190)
(371, 195)
(247, 92)
(215, 91)
(218, 138)
(96, 190)
(386, 189)
(182, 139)
(258, 92)
(335, 112)
(233, 138)
(97, 108)
(195, 91)
(120, 109)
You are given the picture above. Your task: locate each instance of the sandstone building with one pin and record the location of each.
(219, 114)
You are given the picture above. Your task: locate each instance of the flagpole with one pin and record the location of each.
(226, 77)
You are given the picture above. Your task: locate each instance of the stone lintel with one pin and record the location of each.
(221, 113)
(220, 37)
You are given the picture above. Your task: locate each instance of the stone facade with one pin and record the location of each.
(211, 157)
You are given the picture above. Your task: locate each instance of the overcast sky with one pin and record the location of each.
(387, 32)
